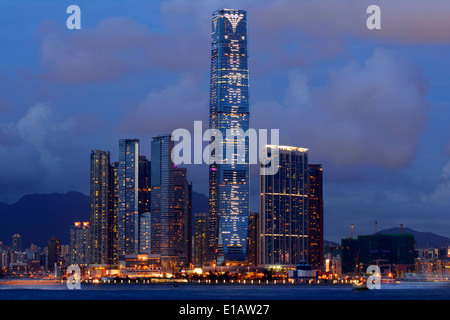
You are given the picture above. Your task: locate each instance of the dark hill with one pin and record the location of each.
(423, 239)
(38, 217)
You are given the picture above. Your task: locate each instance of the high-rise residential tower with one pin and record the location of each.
(315, 215)
(101, 207)
(283, 222)
(128, 197)
(229, 110)
(79, 243)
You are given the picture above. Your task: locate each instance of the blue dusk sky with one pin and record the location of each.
(372, 106)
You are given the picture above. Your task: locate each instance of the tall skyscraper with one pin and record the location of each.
(144, 209)
(283, 223)
(315, 215)
(144, 184)
(162, 202)
(79, 243)
(183, 215)
(200, 239)
(229, 110)
(171, 224)
(252, 239)
(128, 197)
(113, 243)
(101, 207)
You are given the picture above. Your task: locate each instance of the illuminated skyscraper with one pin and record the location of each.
(101, 208)
(315, 216)
(128, 197)
(162, 202)
(229, 110)
(171, 222)
(200, 237)
(79, 243)
(283, 223)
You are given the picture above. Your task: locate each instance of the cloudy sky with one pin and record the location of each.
(372, 106)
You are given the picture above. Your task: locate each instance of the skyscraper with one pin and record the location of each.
(128, 197)
(144, 184)
(101, 207)
(113, 243)
(183, 215)
(162, 202)
(315, 215)
(53, 255)
(283, 221)
(171, 224)
(200, 239)
(144, 209)
(229, 110)
(79, 243)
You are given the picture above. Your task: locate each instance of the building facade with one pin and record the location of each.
(200, 245)
(79, 244)
(229, 110)
(283, 223)
(128, 198)
(388, 251)
(315, 216)
(162, 202)
(101, 209)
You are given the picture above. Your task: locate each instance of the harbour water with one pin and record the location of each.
(189, 291)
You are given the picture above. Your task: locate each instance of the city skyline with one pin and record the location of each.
(395, 148)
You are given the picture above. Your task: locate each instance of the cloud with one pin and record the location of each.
(369, 113)
(38, 152)
(176, 106)
(117, 46)
(441, 195)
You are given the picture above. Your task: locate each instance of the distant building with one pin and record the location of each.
(144, 185)
(144, 206)
(16, 243)
(183, 214)
(114, 239)
(252, 239)
(384, 250)
(283, 223)
(200, 239)
(54, 253)
(315, 216)
(79, 243)
(145, 224)
(128, 197)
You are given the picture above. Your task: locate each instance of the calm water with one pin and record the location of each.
(402, 291)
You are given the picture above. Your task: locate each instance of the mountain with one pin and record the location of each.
(423, 239)
(38, 217)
